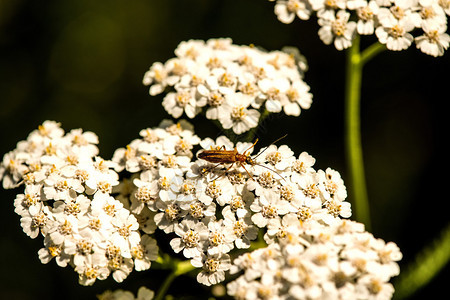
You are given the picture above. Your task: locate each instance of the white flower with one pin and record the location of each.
(326, 9)
(146, 221)
(105, 204)
(95, 268)
(179, 102)
(188, 190)
(220, 238)
(12, 169)
(82, 249)
(432, 13)
(298, 97)
(239, 205)
(374, 288)
(366, 18)
(278, 228)
(395, 34)
(169, 216)
(156, 76)
(120, 266)
(355, 4)
(268, 206)
(198, 211)
(144, 253)
(265, 180)
(242, 229)
(224, 80)
(287, 10)
(52, 251)
(238, 288)
(337, 29)
(146, 194)
(30, 201)
(191, 240)
(41, 222)
(64, 229)
(190, 49)
(58, 187)
(220, 190)
(177, 68)
(213, 267)
(274, 92)
(309, 187)
(125, 235)
(399, 10)
(331, 185)
(211, 75)
(302, 166)
(237, 115)
(313, 262)
(214, 99)
(83, 143)
(143, 294)
(445, 4)
(47, 131)
(388, 255)
(434, 41)
(279, 158)
(102, 178)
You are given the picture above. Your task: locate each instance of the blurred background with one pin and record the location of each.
(81, 63)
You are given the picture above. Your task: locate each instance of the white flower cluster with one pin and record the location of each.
(142, 294)
(210, 208)
(309, 260)
(232, 84)
(393, 21)
(67, 199)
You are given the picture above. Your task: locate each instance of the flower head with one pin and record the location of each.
(397, 23)
(67, 199)
(314, 262)
(232, 83)
(211, 209)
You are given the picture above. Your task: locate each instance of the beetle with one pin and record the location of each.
(222, 156)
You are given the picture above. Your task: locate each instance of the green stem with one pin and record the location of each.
(165, 286)
(371, 51)
(178, 268)
(427, 264)
(353, 134)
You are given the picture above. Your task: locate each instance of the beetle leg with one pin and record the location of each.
(223, 172)
(249, 176)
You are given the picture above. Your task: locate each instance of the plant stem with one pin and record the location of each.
(165, 286)
(371, 51)
(178, 268)
(427, 264)
(353, 134)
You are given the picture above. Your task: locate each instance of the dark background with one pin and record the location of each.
(81, 63)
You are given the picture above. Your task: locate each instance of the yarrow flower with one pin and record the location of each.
(142, 294)
(397, 24)
(101, 227)
(67, 199)
(230, 83)
(312, 260)
(209, 209)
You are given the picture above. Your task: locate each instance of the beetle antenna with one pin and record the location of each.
(269, 146)
(272, 171)
(251, 146)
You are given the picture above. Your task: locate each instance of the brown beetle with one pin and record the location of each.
(222, 156)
